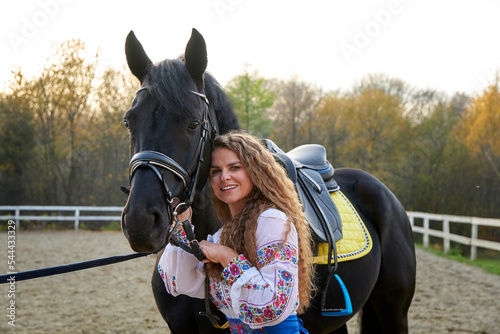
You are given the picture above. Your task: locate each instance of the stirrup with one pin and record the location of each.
(338, 312)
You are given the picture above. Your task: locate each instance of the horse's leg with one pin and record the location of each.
(385, 312)
(369, 320)
(393, 293)
(389, 303)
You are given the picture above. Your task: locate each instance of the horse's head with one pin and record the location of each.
(171, 125)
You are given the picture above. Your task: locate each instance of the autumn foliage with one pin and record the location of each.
(62, 140)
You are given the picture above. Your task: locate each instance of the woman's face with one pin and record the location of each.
(229, 179)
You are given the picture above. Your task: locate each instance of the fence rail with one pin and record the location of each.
(77, 217)
(473, 241)
(79, 214)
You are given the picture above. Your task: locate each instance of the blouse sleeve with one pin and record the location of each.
(266, 296)
(181, 272)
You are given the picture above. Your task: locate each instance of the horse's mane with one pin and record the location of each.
(226, 116)
(169, 81)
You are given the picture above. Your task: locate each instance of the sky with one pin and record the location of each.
(444, 45)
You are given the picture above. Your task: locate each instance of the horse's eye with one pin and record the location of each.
(125, 123)
(193, 125)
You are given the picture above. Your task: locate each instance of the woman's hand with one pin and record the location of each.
(217, 253)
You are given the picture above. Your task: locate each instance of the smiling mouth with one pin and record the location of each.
(228, 188)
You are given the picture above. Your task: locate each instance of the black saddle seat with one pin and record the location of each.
(313, 156)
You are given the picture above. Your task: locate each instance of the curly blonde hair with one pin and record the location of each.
(271, 188)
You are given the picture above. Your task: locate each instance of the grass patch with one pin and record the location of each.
(489, 265)
(113, 226)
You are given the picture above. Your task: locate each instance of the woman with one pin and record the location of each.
(258, 262)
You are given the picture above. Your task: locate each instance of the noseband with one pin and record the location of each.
(160, 163)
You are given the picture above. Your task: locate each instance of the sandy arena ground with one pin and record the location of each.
(450, 297)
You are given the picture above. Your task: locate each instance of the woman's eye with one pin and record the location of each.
(214, 172)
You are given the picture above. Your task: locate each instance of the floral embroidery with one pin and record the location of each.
(235, 269)
(220, 294)
(174, 285)
(286, 253)
(180, 235)
(165, 278)
(279, 292)
(237, 327)
(162, 273)
(272, 311)
(255, 286)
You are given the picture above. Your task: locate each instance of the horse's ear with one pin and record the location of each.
(137, 59)
(195, 56)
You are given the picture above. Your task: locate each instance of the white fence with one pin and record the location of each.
(78, 214)
(473, 241)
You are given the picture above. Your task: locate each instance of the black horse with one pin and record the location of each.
(175, 115)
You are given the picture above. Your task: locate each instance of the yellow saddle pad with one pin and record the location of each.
(356, 241)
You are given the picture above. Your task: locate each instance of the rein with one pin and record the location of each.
(26, 275)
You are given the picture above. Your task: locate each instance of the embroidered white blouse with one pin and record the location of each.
(257, 297)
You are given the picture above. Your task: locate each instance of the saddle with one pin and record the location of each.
(312, 175)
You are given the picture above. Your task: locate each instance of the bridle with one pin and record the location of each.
(160, 163)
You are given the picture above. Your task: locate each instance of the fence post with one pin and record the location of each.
(473, 249)
(77, 219)
(18, 213)
(446, 236)
(426, 233)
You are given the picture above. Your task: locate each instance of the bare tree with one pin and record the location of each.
(294, 109)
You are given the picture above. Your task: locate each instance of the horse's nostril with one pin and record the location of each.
(124, 225)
